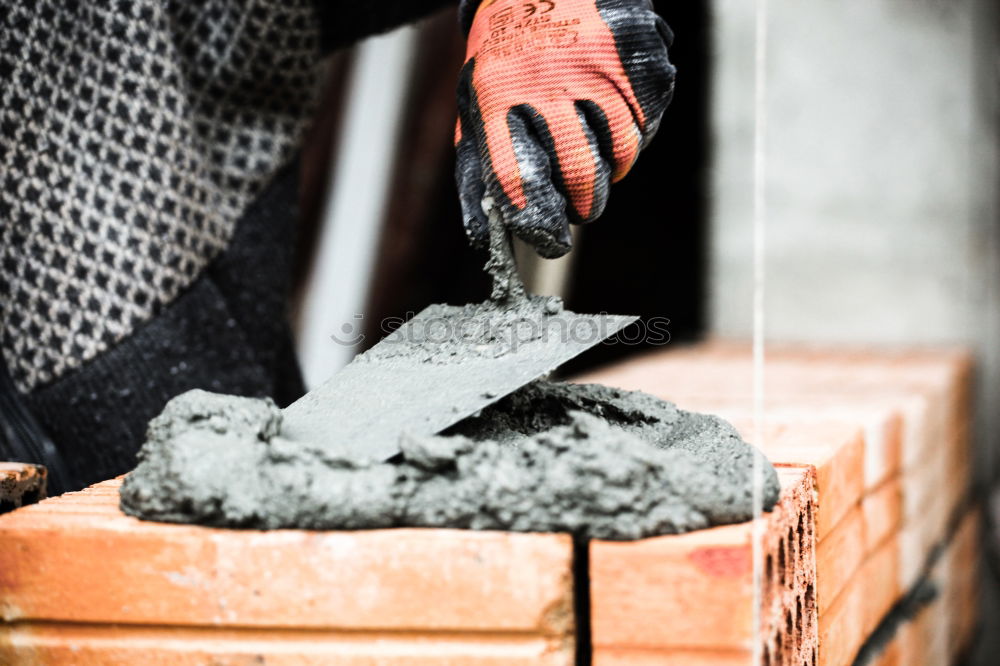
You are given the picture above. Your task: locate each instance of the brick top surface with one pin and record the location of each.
(78, 558)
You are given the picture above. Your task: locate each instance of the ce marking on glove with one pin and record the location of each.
(505, 17)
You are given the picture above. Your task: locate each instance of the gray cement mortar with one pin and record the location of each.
(551, 457)
(489, 330)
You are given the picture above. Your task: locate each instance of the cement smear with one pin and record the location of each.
(585, 459)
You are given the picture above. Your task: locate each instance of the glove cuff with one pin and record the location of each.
(467, 14)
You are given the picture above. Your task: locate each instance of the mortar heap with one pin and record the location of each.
(545, 457)
(551, 457)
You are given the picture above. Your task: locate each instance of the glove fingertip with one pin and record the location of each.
(550, 241)
(473, 220)
(665, 32)
(468, 178)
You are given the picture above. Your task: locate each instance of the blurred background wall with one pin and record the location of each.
(882, 176)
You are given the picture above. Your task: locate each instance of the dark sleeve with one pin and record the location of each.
(347, 21)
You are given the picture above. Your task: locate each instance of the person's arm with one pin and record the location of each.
(346, 22)
(556, 99)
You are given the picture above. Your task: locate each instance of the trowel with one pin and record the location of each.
(445, 364)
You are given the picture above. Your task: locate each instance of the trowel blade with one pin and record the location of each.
(420, 382)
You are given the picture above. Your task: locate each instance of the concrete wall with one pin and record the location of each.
(882, 175)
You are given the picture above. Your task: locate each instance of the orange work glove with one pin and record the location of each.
(556, 99)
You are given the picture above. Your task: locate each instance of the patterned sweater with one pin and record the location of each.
(147, 186)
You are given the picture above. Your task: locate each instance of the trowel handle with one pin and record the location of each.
(501, 266)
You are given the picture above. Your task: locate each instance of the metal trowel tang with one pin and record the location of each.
(445, 364)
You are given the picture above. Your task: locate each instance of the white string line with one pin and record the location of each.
(759, 228)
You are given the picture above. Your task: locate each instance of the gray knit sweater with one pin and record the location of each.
(140, 139)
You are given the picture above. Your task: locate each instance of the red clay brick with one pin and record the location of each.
(879, 577)
(912, 408)
(670, 597)
(942, 632)
(883, 513)
(842, 627)
(880, 435)
(76, 574)
(838, 558)
(948, 463)
(929, 387)
(879, 420)
(927, 522)
(836, 451)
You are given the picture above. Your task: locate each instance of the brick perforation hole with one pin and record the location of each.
(790, 631)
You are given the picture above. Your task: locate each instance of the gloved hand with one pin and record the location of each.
(556, 99)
